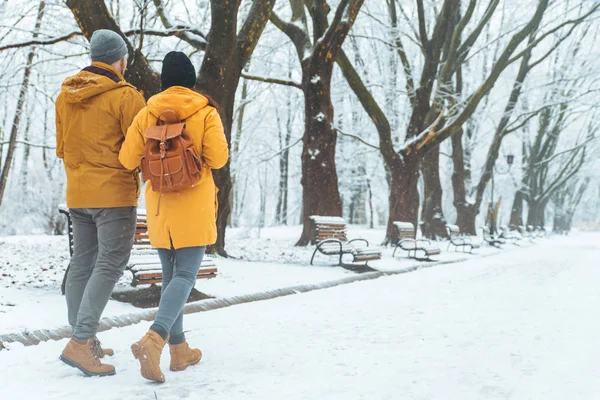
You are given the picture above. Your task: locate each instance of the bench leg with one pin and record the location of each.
(395, 248)
(313, 256)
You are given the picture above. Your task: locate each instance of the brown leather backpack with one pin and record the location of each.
(170, 160)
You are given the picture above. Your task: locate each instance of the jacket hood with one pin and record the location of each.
(185, 102)
(86, 84)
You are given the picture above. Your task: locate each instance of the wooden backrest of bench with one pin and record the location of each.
(141, 238)
(453, 230)
(329, 228)
(405, 230)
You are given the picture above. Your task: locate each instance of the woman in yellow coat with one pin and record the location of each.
(186, 223)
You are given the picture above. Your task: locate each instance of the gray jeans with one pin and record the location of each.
(102, 241)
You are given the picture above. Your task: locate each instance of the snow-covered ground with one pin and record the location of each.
(32, 268)
(522, 324)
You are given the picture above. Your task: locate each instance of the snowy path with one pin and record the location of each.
(520, 325)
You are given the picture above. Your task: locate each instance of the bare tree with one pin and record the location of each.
(467, 211)
(320, 193)
(12, 141)
(92, 15)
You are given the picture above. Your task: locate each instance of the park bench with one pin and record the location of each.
(541, 231)
(406, 235)
(144, 263)
(509, 235)
(460, 241)
(526, 233)
(490, 239)
(330, 238)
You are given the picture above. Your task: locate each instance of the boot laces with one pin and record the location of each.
(97, 348)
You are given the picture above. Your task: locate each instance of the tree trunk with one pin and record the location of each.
(233, 196)
(404, 196)
(12, 142)
(537, 212)
(284, 142)
(516, 213)
(320, 192)
(284, 186)
(227, 53)
(434, 223)
(466, 213)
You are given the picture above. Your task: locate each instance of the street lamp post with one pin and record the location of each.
(509, 161)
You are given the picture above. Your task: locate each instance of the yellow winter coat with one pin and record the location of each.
(186, 218)
(93, 113)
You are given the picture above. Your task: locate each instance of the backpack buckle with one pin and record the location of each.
(168, 179)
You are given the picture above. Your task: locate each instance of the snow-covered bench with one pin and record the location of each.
(407, 241)
(460, 241)
(144, 263)
(331, 240)
(513, 236)
(490, 239)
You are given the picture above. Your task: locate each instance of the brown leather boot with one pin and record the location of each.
(148, 351)
(182, 356)
(83, 357)
(100, 351)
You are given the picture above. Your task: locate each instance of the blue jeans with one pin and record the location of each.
(180, 268)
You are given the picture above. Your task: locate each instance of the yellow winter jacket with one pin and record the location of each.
(187, 218)
(93, 113)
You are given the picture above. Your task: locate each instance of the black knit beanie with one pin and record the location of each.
(177, 70)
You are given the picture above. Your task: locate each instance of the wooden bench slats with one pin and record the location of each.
(334, 228)
(460, 241)
(159, 279)
(154, 273)
(407, 241)
(144, 262)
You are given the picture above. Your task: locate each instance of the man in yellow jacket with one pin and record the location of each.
(93, 112)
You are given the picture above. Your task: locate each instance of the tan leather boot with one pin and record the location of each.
(147, 351)
(182, 356)
(100, 351)
(83, 357)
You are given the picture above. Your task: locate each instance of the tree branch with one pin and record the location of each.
(422, 25)
(28, 143)
(555, 29)
(382, 124)
(297, 35)
(464, 49)
(276, 81)
(41, 42)
(501, 64)
(357, 138)
(183, 33)
(255, 23)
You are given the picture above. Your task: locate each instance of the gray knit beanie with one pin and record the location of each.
(107, 46)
